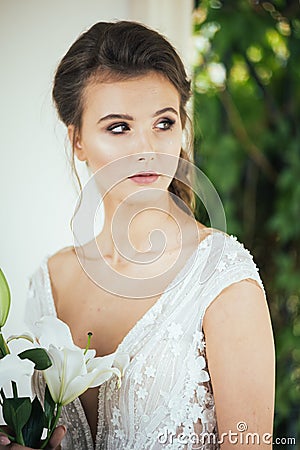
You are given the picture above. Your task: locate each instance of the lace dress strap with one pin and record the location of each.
(229, 263)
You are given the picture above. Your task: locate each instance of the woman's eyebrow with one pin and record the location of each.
(115, 116)
(128, 117)
(168, 109)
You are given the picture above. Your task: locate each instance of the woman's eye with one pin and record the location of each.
(118, 128)
(165, 124)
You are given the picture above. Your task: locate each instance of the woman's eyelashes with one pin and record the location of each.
(118, 128)
(165, 124)
(123, 127)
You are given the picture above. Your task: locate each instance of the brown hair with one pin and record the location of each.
(120, 50)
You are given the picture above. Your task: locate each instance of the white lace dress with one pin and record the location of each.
(166, 399)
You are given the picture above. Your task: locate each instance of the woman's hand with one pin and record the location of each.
(53, 444)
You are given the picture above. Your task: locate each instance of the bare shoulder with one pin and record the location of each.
(240, 317)
(62, 266)
(244, 300)
(60, 259)
(203, 231)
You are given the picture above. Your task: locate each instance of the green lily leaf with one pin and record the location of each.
(4, 299)
(38, 356)
(49, 408)
(16, 412)
(33, 429)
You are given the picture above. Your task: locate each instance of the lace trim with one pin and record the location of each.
(100, 436)
(171, 290)
(49, 293)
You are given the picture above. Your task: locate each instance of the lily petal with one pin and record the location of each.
(50, 330)
(66, 365)
(101, 362)
(54, 374)
(89, 354)
(121, 361)
(13, 368)
(78, 385)
(26, 336)
(105, 375)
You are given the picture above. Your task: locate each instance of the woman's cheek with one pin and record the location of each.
(172, 143)
(103, 153)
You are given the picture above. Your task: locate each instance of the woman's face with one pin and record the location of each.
(129, 127)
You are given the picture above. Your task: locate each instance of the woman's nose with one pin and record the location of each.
(146, 156)
(144, 142)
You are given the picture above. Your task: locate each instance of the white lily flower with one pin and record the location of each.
(73, 369)
(70, 375)
(49, 330)
(121, 362)
(13, 368)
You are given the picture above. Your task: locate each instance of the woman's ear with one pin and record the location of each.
(75, 143)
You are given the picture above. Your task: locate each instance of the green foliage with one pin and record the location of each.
(34, 427)
(49, 408)
(16, 412)
(38, 356)
(247, 141)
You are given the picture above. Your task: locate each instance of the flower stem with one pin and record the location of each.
(57, 416)
(19, 438)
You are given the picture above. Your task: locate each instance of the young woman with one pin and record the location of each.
(184, 301)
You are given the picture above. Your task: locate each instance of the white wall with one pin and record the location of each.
(37, 192)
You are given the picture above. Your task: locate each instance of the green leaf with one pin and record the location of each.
(49, 408)
(33, 429)
(4, 299)
(38, 356)
(16, 412)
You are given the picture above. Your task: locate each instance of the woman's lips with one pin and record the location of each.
(144, 177)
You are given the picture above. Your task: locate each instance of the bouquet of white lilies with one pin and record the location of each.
(68, 371)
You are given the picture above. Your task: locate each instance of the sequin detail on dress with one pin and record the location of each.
(166, 399)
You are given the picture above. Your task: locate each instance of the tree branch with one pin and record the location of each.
(241, 133)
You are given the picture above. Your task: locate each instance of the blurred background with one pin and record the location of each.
(38, 191)
(244, 56)
(247, 141)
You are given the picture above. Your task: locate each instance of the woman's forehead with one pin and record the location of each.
(148, 93)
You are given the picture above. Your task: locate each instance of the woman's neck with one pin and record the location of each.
(140, 227)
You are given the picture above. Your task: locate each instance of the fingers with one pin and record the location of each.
(4, 441)
(5, 444)
(54, 442)
(56, 437)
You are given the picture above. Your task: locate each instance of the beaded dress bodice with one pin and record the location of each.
(166, 399)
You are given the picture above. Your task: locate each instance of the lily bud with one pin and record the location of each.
(4, 299)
